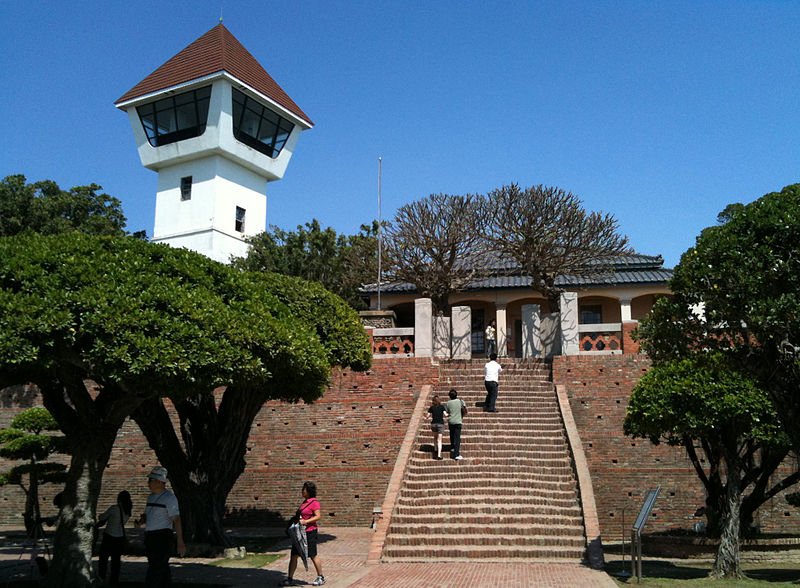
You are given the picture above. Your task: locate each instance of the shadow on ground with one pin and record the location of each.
(677, 571)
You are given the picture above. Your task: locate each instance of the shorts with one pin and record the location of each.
(437, 428)
(311, 537)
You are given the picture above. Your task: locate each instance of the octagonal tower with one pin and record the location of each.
(217, 128)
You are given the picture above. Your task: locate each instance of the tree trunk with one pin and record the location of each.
(726, 563)
(205, 511)
(72, 550)
(215, 442)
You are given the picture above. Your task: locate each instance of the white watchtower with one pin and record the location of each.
(217, 128)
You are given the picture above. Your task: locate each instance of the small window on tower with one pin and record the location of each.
(186, 188)
(240, 212)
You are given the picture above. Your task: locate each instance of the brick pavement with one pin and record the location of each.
(344, 550)
(344, 558)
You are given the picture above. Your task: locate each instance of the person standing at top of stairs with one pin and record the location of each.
(456, 409)
(491, 380)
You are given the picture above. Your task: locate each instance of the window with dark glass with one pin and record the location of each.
(240, 212)
(186, 188)
(259, 127)
(591, 314)
(177, 117)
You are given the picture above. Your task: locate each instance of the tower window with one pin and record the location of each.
(177, 117)
(240, 213)
(259, 127)
(186, 188)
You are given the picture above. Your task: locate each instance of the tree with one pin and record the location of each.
(140, 321)
(340, 263)
(736, 293)
(436, 244)
(738, 289)
(704, 402)
(29, 439)
(549, 234)
(207, 455)
(43, 207)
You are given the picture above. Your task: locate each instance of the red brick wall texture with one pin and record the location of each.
(348, 442)
(624, 469)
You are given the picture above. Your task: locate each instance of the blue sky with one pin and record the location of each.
(660, 113)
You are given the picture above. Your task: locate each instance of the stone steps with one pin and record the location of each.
(444, 542)
(440, 510)
(514, 496)
(469, 552)
(555, 528)
(487, 502)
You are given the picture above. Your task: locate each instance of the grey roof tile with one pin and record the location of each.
(627, 269)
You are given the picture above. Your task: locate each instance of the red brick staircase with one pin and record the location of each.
(514, 496)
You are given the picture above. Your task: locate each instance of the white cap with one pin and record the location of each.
(158, 473)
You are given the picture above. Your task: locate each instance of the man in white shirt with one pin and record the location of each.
(161, 517)
(491, 379)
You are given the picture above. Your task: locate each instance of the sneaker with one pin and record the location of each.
(287, 582)
(459, 457)
(319, 581)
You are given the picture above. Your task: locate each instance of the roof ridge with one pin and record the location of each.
(215, 51)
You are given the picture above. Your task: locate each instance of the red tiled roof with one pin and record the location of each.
(217, 50)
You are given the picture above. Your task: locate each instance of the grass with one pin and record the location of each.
(252, 560)
(688, 574)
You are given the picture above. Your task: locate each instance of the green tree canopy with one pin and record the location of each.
(206, 454)
(341, 263)
(141, 321)
(738, 289)
(43, 207)
(735, 293)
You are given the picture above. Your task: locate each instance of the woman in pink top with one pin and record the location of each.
(309, 513)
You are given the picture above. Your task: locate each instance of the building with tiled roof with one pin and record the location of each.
(217, 128)
(607, 305)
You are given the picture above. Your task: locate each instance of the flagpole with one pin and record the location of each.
(380, 170)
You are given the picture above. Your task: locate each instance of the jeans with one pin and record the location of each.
(455, 439)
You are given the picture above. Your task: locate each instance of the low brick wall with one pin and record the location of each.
(624, 469)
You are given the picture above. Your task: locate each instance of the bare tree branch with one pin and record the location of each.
(431, 241)
(549, 233)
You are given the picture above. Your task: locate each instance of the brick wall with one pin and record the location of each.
(624, 469)
(346, 442)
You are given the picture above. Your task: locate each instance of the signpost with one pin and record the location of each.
(636, 532)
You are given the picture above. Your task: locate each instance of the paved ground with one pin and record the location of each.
(343, 551)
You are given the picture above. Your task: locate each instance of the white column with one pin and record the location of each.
(625, 309)
(531, 337)
(441, 337)
(423, 327)
(502, 340)
(461, 321)
(569, 323)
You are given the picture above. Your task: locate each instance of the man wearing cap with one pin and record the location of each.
(160, 517)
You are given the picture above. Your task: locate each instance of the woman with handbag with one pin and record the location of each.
(307, 515)
(113, 543)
